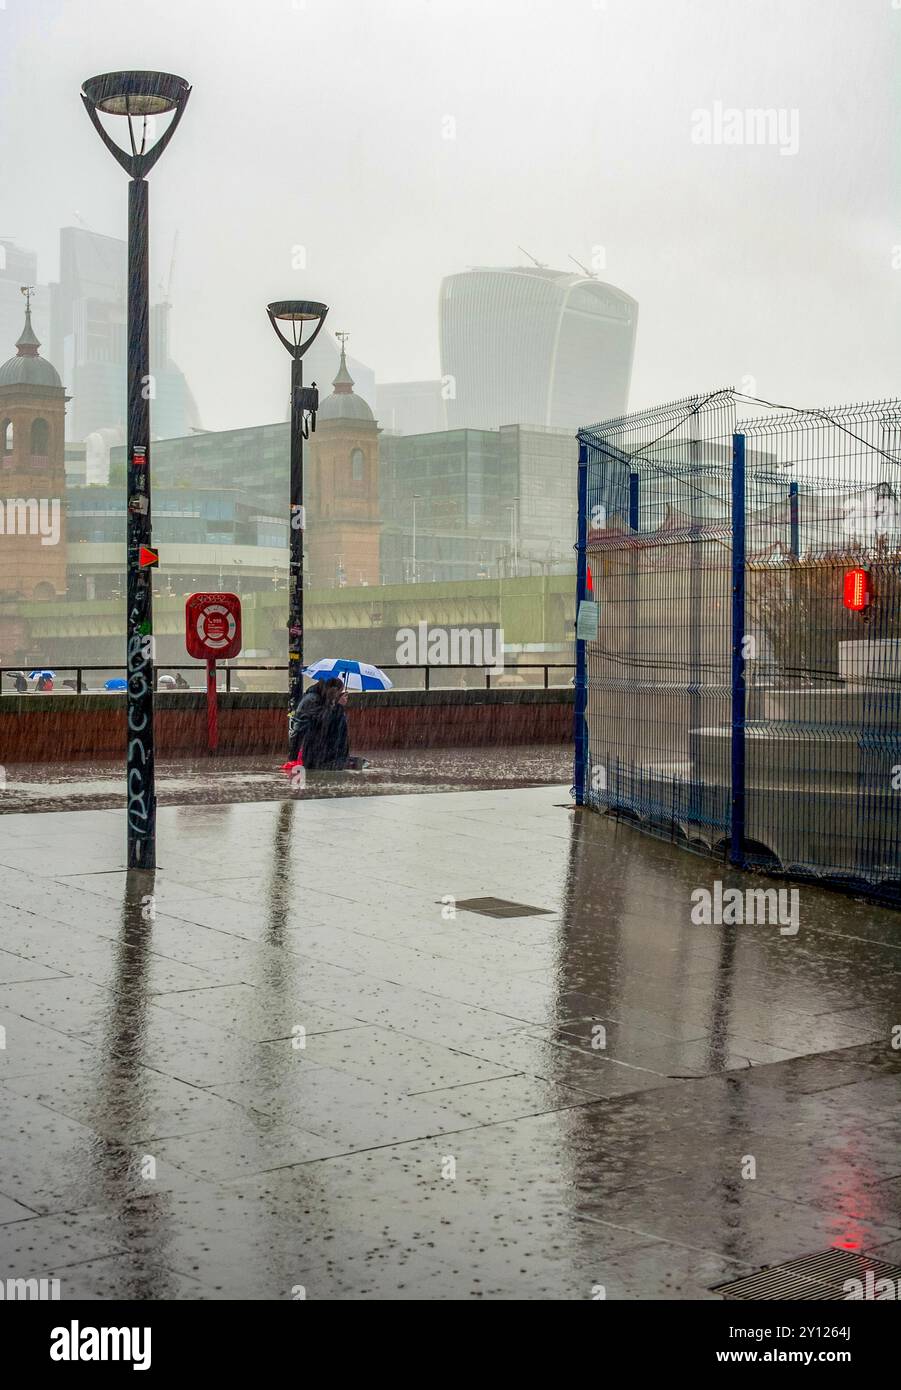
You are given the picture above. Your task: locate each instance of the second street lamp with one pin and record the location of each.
(299, 316)
(140, 97)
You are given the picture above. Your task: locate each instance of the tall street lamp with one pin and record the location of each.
(140, 97)
(304, 403)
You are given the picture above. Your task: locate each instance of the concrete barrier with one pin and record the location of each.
(80, 728)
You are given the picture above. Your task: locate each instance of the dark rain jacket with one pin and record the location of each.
(300, 719)
(325, 742)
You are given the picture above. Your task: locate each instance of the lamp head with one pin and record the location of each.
(139, 96)
(295, 313)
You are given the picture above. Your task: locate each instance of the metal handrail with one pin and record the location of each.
(165, 667)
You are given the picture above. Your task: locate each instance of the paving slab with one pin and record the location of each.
(288, 1061)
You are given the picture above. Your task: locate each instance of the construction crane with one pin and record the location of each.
(540, 264)
(590, 273)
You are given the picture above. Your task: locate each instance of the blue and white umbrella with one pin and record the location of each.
(117, 683)
(356, 675)
(40, 673)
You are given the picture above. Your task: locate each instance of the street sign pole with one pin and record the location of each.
(213, 633)
(212, 706)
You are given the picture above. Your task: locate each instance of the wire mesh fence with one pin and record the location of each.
(743, 693)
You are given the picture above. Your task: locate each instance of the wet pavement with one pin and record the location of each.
(206, 781)
(294, 1064)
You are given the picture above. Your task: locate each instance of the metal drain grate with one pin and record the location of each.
(821, 1276)
(499, 907)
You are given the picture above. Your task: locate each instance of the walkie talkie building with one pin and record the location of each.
(528, 345)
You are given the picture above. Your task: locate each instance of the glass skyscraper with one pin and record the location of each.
(89, 341)
(528, 345)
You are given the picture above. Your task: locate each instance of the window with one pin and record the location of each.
(356, 464)
(40, 438)
(6, 437)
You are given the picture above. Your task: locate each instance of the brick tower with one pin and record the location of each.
(342, 492)
(32, 473)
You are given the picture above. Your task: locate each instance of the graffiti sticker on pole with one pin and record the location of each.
(213, 626)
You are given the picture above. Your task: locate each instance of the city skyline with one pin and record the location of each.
(764, 258)
(585, 363)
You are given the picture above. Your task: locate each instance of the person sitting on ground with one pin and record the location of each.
(310, 703)
(325, 744)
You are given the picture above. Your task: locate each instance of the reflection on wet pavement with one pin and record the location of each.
(287, 1061)
(213, 781)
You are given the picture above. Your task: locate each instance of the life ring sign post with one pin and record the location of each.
(213, 633)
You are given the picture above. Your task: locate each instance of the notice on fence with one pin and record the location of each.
(587, 620)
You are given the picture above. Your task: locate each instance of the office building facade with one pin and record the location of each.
(477, 504)
(411, 407)
(89, 342)
(535, 346)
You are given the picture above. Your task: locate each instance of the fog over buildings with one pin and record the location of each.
(361, 152)
(514, 234)
(88, 340)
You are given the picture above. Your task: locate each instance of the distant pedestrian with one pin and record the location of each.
(20, 682)
(180, 681)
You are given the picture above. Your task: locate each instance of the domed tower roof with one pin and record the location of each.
(28, 368)
(343, 404)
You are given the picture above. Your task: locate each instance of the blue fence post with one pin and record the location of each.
(581, 700)
(794, 538)
(633, 501)
(739, 705)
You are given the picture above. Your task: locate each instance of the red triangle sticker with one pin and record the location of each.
(147, 558)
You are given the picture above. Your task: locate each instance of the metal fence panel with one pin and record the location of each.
(658, 547)
(824, 714)
(731, 699)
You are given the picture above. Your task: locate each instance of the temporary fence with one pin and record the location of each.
(742, 693)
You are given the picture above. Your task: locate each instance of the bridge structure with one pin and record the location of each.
(536, 615)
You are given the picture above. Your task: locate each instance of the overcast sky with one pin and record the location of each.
(322, 124)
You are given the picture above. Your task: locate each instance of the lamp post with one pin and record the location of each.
(511, 507)
(140, 97)
(304, 404)
(416, 498)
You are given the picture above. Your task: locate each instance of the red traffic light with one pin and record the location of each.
(857, 589)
